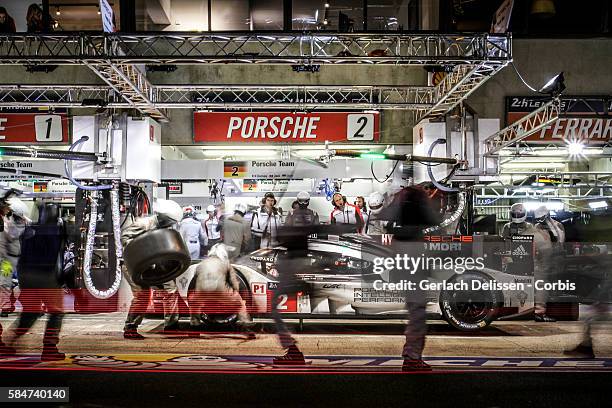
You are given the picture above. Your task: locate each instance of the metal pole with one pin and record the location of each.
(464, 141)
(47, 154)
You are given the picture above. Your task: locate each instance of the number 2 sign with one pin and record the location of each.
(48, 128)
(360, 127)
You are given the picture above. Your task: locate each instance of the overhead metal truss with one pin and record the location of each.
(472, 57)
(524, 127)
(129, 82)
(255, 47)
(551, 184)
(223, 96)
(457, 86)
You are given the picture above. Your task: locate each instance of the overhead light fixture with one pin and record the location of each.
(531, 166)
(375, 156)
(598, 205)
(575, 148)
(161, 68)
(94, 102)
(256, 154)
(99, 12)
(325, 22)
(57, 11)
(326, 5)
(555, 86)
(550, 205)
(543, 8)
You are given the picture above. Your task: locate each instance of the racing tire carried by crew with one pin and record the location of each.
(230, 319)
(156, 257)
(470, 310)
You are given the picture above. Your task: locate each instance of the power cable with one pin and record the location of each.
(522, 79)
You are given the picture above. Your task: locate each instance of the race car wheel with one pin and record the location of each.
(230, 319)
(156, 257)
(469, 310)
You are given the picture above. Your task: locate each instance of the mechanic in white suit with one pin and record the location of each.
(15, 223)
(544, 222)
(373, 225)
(192, 232)
(542, 260)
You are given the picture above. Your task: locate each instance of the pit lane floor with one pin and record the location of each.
(95, 342)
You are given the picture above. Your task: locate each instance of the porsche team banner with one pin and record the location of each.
(286, 127)
(585, 118)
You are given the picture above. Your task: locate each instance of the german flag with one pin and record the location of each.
(249, 185)
(234, 169)
(40, 187)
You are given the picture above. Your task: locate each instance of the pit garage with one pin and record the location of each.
(494, 223)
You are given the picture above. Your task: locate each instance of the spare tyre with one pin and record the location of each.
(156, 257)
(470, 310)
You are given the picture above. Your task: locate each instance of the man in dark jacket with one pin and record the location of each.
(302, 215)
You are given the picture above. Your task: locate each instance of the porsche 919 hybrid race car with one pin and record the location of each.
(346, 278)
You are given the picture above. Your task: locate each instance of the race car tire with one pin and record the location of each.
(470, 310)
(156, 257)
(230, 319)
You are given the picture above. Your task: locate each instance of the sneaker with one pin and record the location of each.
(132, 334)
(52, 354)
(581, 351)
(543, 318)
(415, 365)
(293, 357)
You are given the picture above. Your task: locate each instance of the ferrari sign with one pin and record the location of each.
(286, 127)
(580, 121)
(33, 128)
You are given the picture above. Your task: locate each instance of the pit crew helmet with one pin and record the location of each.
(168, 209)
(540, 213)
(210, 208)
(18, 207)
(219, 251)
(518, 213)
(375, 202)
(188, 212)
(303, 199)
(241, 208)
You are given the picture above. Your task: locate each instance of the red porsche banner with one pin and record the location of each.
(33, 128)
(286, 127)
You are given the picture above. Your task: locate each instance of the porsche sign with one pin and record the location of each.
(286, 127)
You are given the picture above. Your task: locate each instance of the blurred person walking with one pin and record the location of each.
(42, 250)
(167, 215)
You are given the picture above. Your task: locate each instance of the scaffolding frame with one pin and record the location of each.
(115, 58)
